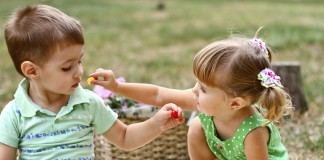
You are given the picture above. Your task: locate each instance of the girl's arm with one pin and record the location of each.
(146, 93)
(255, 144)
(138, 134)
(7, 152)
(197, 143)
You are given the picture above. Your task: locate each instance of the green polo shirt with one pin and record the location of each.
(41, 134)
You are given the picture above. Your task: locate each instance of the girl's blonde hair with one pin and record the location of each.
(233, 65)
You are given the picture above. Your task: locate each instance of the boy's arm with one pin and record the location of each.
(132, 136)
(9, 132)
(146, 93)
(138, 134)
(7, 152)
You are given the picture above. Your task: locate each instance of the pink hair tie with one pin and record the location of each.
(257, 41)
(269, 79)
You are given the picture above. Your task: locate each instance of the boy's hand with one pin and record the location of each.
(168, 117)
(104, 78)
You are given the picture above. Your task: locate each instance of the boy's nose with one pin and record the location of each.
(79, 72)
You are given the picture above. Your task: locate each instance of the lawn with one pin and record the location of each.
(144, 44)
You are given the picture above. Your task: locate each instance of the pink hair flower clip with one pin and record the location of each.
(257, 41)
(269, 79)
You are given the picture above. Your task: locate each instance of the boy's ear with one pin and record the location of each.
(237, 103)
(29, 69)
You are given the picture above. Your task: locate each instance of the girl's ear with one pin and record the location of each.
(237, 103)
(29, 69)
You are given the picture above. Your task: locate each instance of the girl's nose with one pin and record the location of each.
(195, 89)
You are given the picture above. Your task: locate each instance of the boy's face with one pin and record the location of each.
(62, 72)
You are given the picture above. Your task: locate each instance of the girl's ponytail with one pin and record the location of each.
(274, 102)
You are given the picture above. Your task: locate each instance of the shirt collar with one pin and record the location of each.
(28, 108)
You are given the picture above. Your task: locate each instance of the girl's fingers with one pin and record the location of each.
(169, 107)
(99, 69)
(100, 75)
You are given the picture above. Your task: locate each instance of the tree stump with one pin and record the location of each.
(291, 79)
(160, 6)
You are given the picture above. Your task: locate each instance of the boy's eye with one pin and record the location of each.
(66, 69)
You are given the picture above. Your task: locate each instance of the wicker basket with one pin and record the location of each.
(170, 145)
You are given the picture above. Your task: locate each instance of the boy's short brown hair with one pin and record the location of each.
(33, 33)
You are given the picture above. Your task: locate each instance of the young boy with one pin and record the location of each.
(52, 116)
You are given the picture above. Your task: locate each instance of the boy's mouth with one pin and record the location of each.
(75, 85)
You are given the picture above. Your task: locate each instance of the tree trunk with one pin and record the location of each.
(291, 79)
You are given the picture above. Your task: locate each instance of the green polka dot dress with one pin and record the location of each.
(233, 148)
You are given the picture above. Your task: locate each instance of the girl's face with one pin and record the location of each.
(211, 101)
(62, 72)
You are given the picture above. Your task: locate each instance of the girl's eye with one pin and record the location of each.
(202, 89)
(80, 62)
(67, 69)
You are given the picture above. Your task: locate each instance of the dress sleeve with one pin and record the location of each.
(9, 126)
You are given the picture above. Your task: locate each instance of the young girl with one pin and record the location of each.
(51, 115)
(237, 95)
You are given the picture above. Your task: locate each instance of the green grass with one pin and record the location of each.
(146, 45)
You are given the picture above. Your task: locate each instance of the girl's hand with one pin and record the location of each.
(105, 78)
(165, 118)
